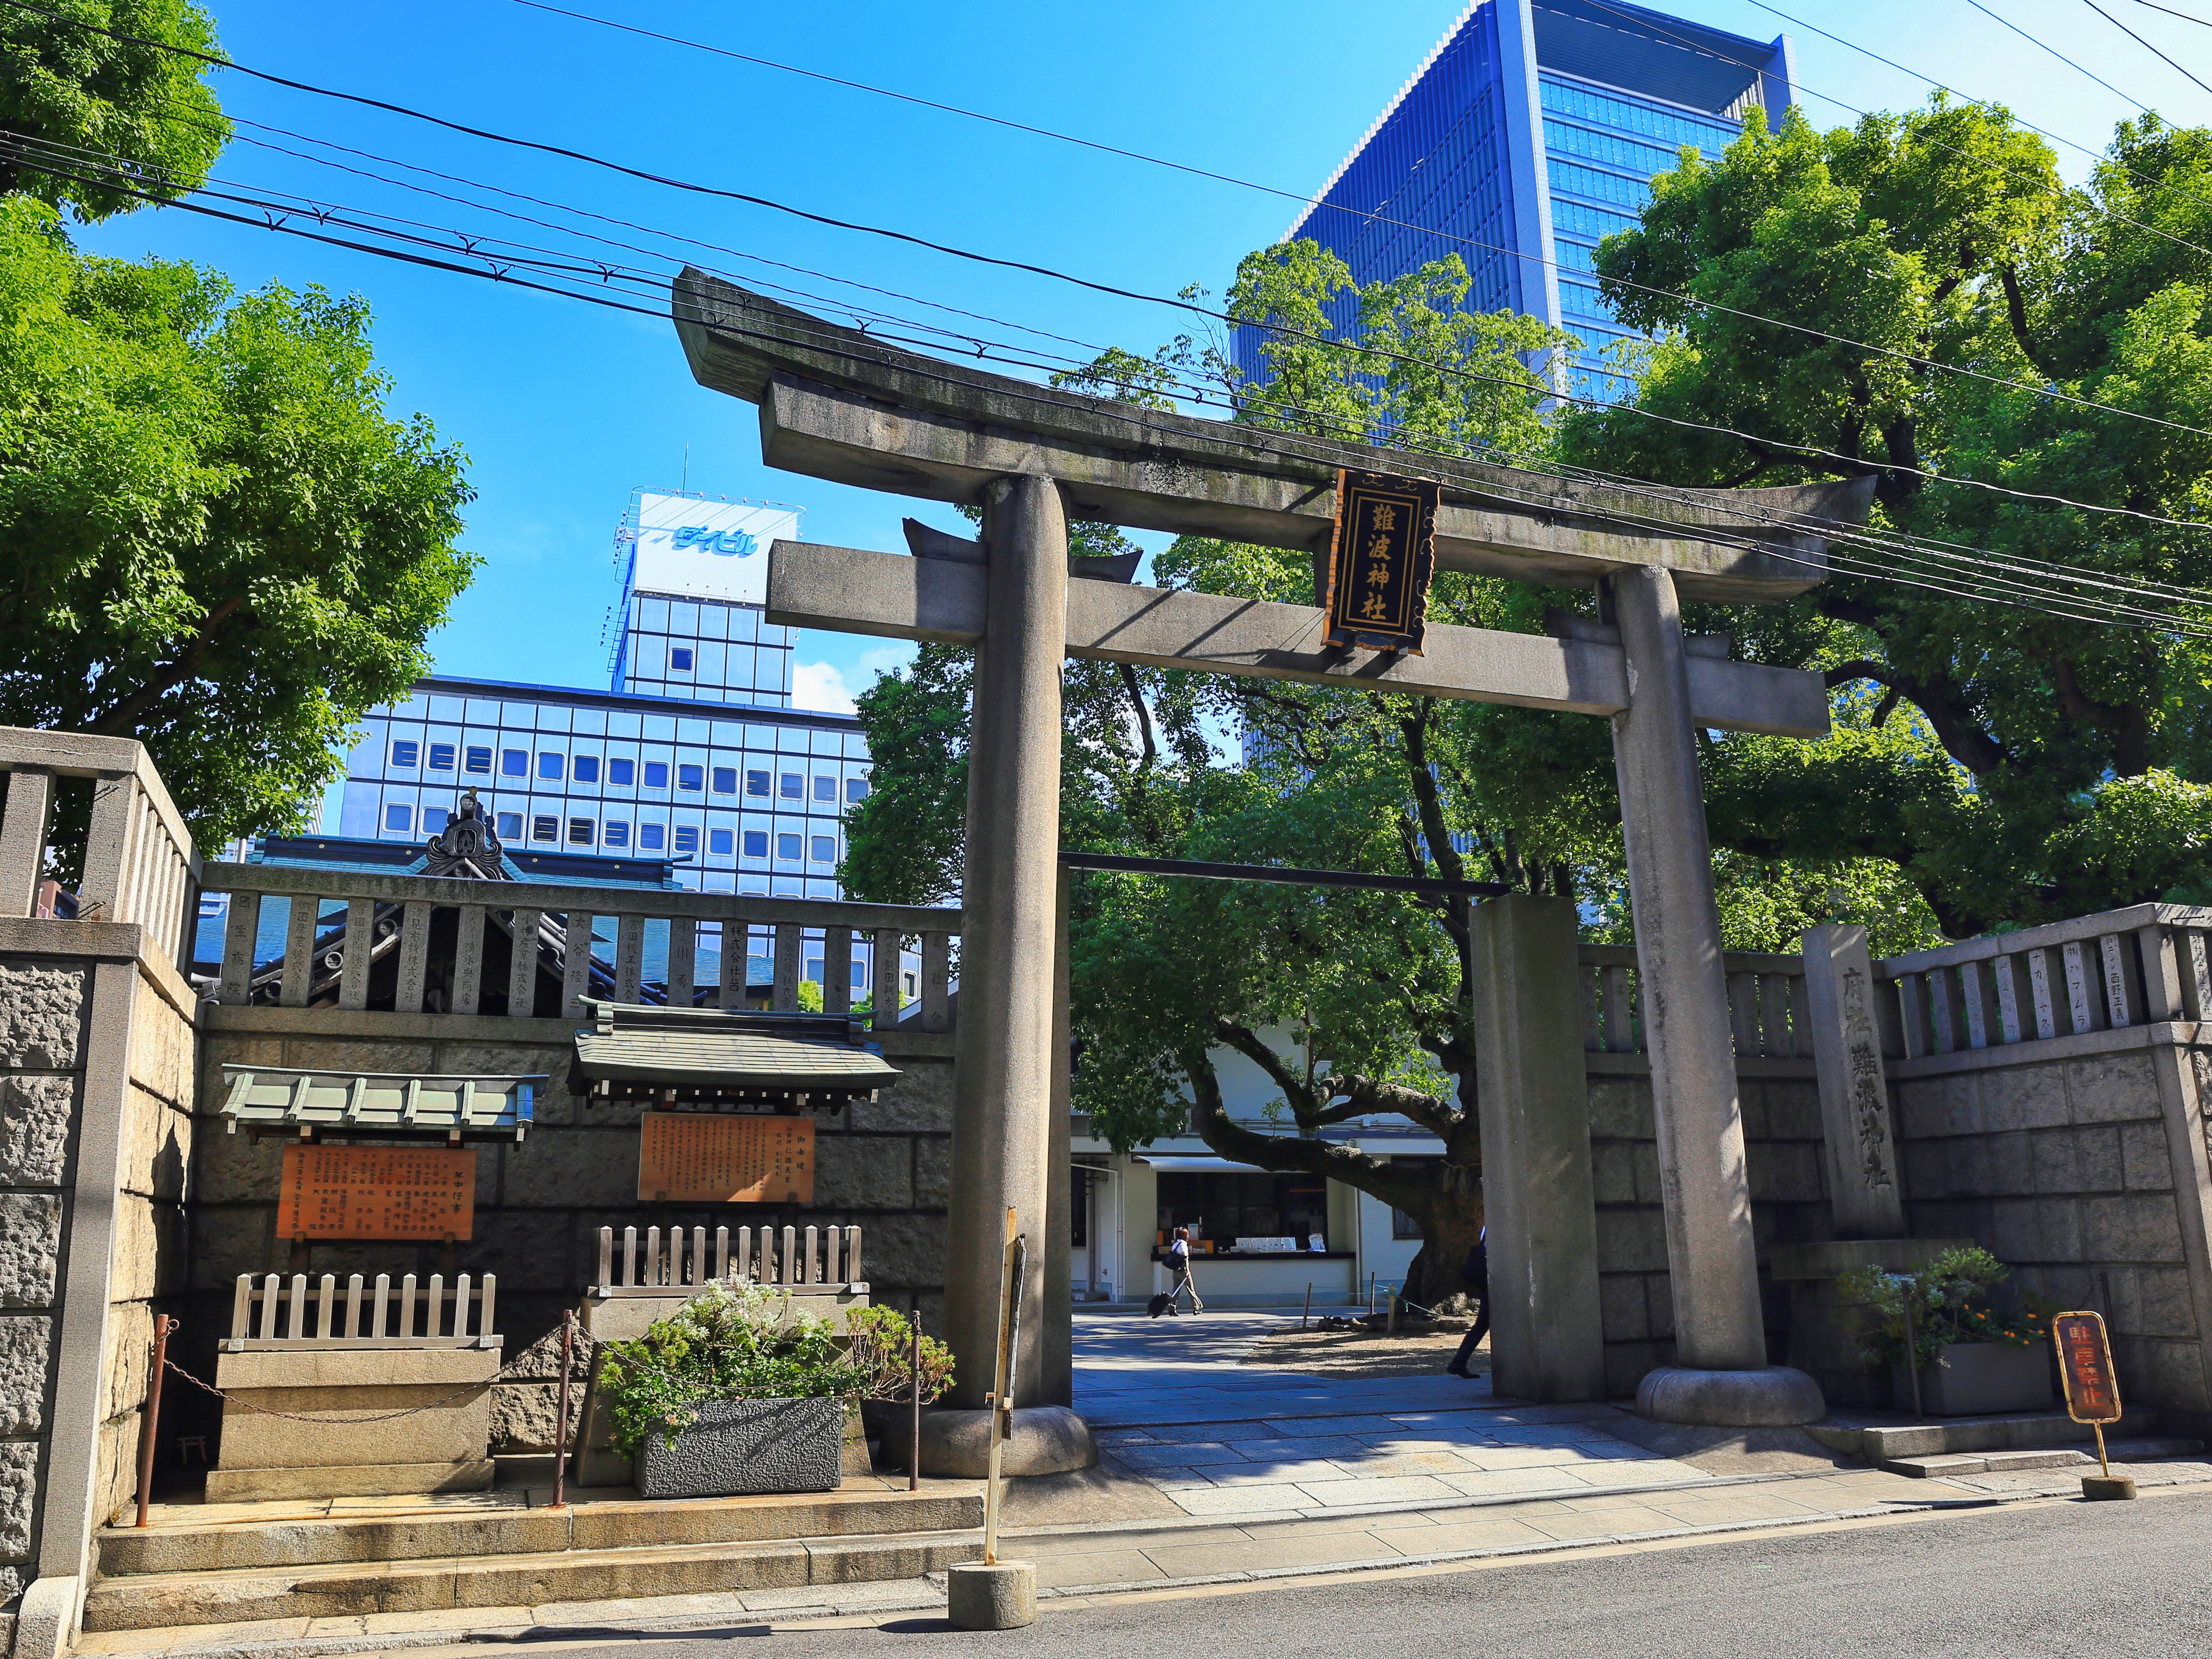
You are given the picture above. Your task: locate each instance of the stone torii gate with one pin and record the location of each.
(838, 404)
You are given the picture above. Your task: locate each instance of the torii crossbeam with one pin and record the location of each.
(838, 404)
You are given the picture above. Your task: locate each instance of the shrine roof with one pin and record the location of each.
(402, 1105)
(636, 1042)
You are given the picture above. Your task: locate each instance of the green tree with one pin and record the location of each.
(219, 542)
(140, 101)
(2015, 767)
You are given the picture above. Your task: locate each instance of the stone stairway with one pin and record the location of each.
(2004, 1441)
(220, 1563)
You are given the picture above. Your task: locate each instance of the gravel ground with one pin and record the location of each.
(1362, 1353)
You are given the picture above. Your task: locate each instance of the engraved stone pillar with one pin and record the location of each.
(1839, 992)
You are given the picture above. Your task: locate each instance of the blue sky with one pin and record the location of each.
(564, 409)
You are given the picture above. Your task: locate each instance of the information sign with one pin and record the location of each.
(701, 1158)
(423, 1193)
(1380, 560)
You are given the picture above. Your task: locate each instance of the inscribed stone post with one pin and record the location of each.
(1862, 1151)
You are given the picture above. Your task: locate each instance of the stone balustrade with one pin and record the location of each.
(2139, 966)
(1767, 1009)
(265, 1314)
(435, 932)
(827, 1260)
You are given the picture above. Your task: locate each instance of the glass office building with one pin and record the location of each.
(1528, 135)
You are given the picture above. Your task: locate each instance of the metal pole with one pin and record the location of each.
(1912, 1349)
(1307, 1310)
(1370, 1296)
(560, 1433)
(913, 1366)
(150, 1428)
(1000, 1406)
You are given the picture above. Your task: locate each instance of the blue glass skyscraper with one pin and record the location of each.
(1529, 133)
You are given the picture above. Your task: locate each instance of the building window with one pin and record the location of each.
(653, 835)
(787, 847)
(687, 838)
(581, 832)
(399, 817)
(586, 768)
(726, 780)
(622, 773)
(548, 765)
(479, 760)
(825, 849)
(719, 840)
(545, 826)
(1227, 1206)
(441, 757)
(403, 751)
(793, 786)
(757, 784)
(656, 774)
(515, 763)
(679, 658)
(691, 777)
(510, 826)
(617, 833)
(856, 789)
(825, 789)
(814, 970)
(1402, 1225)
(756, 843)
(433, 818)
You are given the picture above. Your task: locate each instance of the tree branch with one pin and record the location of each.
(1962, 737)
(2017, 317)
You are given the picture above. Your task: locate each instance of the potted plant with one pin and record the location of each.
(740, 1392)
(1971, 1358)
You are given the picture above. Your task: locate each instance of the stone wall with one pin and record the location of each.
(1789, 1200)
(540, 1205)
(2083, 1169)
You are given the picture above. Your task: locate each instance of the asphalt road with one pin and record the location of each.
(2074, 1579)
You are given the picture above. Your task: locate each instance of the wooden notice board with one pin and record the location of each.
(701, 1157)
(2085, 1366)
(377, 1192)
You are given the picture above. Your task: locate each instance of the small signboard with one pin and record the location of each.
(695, 1157)
(422, 1193)
(2085, 1366)
(1380, 560)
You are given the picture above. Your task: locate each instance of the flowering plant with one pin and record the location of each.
(1947, 1298)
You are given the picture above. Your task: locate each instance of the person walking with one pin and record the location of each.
(1476, 1271)
(1179, 1264)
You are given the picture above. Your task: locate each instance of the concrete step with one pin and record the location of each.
(2149, 1450)
(1881, 1443)
(239, 1538)
(149, 1600)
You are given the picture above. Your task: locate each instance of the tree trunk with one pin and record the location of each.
(1451, 1225)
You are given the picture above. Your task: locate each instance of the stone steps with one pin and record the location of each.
(1881, 1443)
(228, 1595)
(2146, 1450)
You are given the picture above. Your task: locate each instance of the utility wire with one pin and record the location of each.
(2170, 12)
(2043, 45)
(2140, 42)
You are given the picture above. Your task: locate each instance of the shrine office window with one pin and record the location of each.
(399, 817)
(510, 826)
(825, 849)
(693, 778)
(404, 752)
(434, 818)
(515, 763)
(586, 768)
(756, 843)
(545, 826)
(687, 838)
(617, 832)
(787, 847)
(652, 836)
(582, 832)
(825, 789)
(441, 757)
(719, 840)
(679, 659)
(478, 761)
(726, 780)
(757, 784)
(793, 786)
(656, 774)
(549, 764)
(622, 773)
(856, 789)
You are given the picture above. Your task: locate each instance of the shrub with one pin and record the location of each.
(1943, 1294)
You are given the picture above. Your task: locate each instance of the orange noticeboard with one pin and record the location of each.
(697, 1157)
(377, 1192)
(2085, 1366)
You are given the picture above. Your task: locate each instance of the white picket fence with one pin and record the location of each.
(268, 1314)
(817, 1258)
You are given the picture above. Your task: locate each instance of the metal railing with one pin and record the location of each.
(139, 865)
(343, 924)
(824, 1259)
(265, 1315)
(2133, 967)
(1768, 1014)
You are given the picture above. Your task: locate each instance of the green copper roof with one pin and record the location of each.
(407, 1105)
(707, 1048)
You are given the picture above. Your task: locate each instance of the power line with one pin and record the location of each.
(2140, 42)
(2046, 46)
(2170, 12)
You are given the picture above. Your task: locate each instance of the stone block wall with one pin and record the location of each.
(2079, 1169)
(1789, 1200)
(539, 1206)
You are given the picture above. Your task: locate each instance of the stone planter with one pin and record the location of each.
(1973, 1379)
(741, 1447)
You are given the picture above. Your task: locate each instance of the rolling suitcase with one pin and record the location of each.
(1159, 1304)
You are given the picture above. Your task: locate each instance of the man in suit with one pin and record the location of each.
(1476, 1273)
